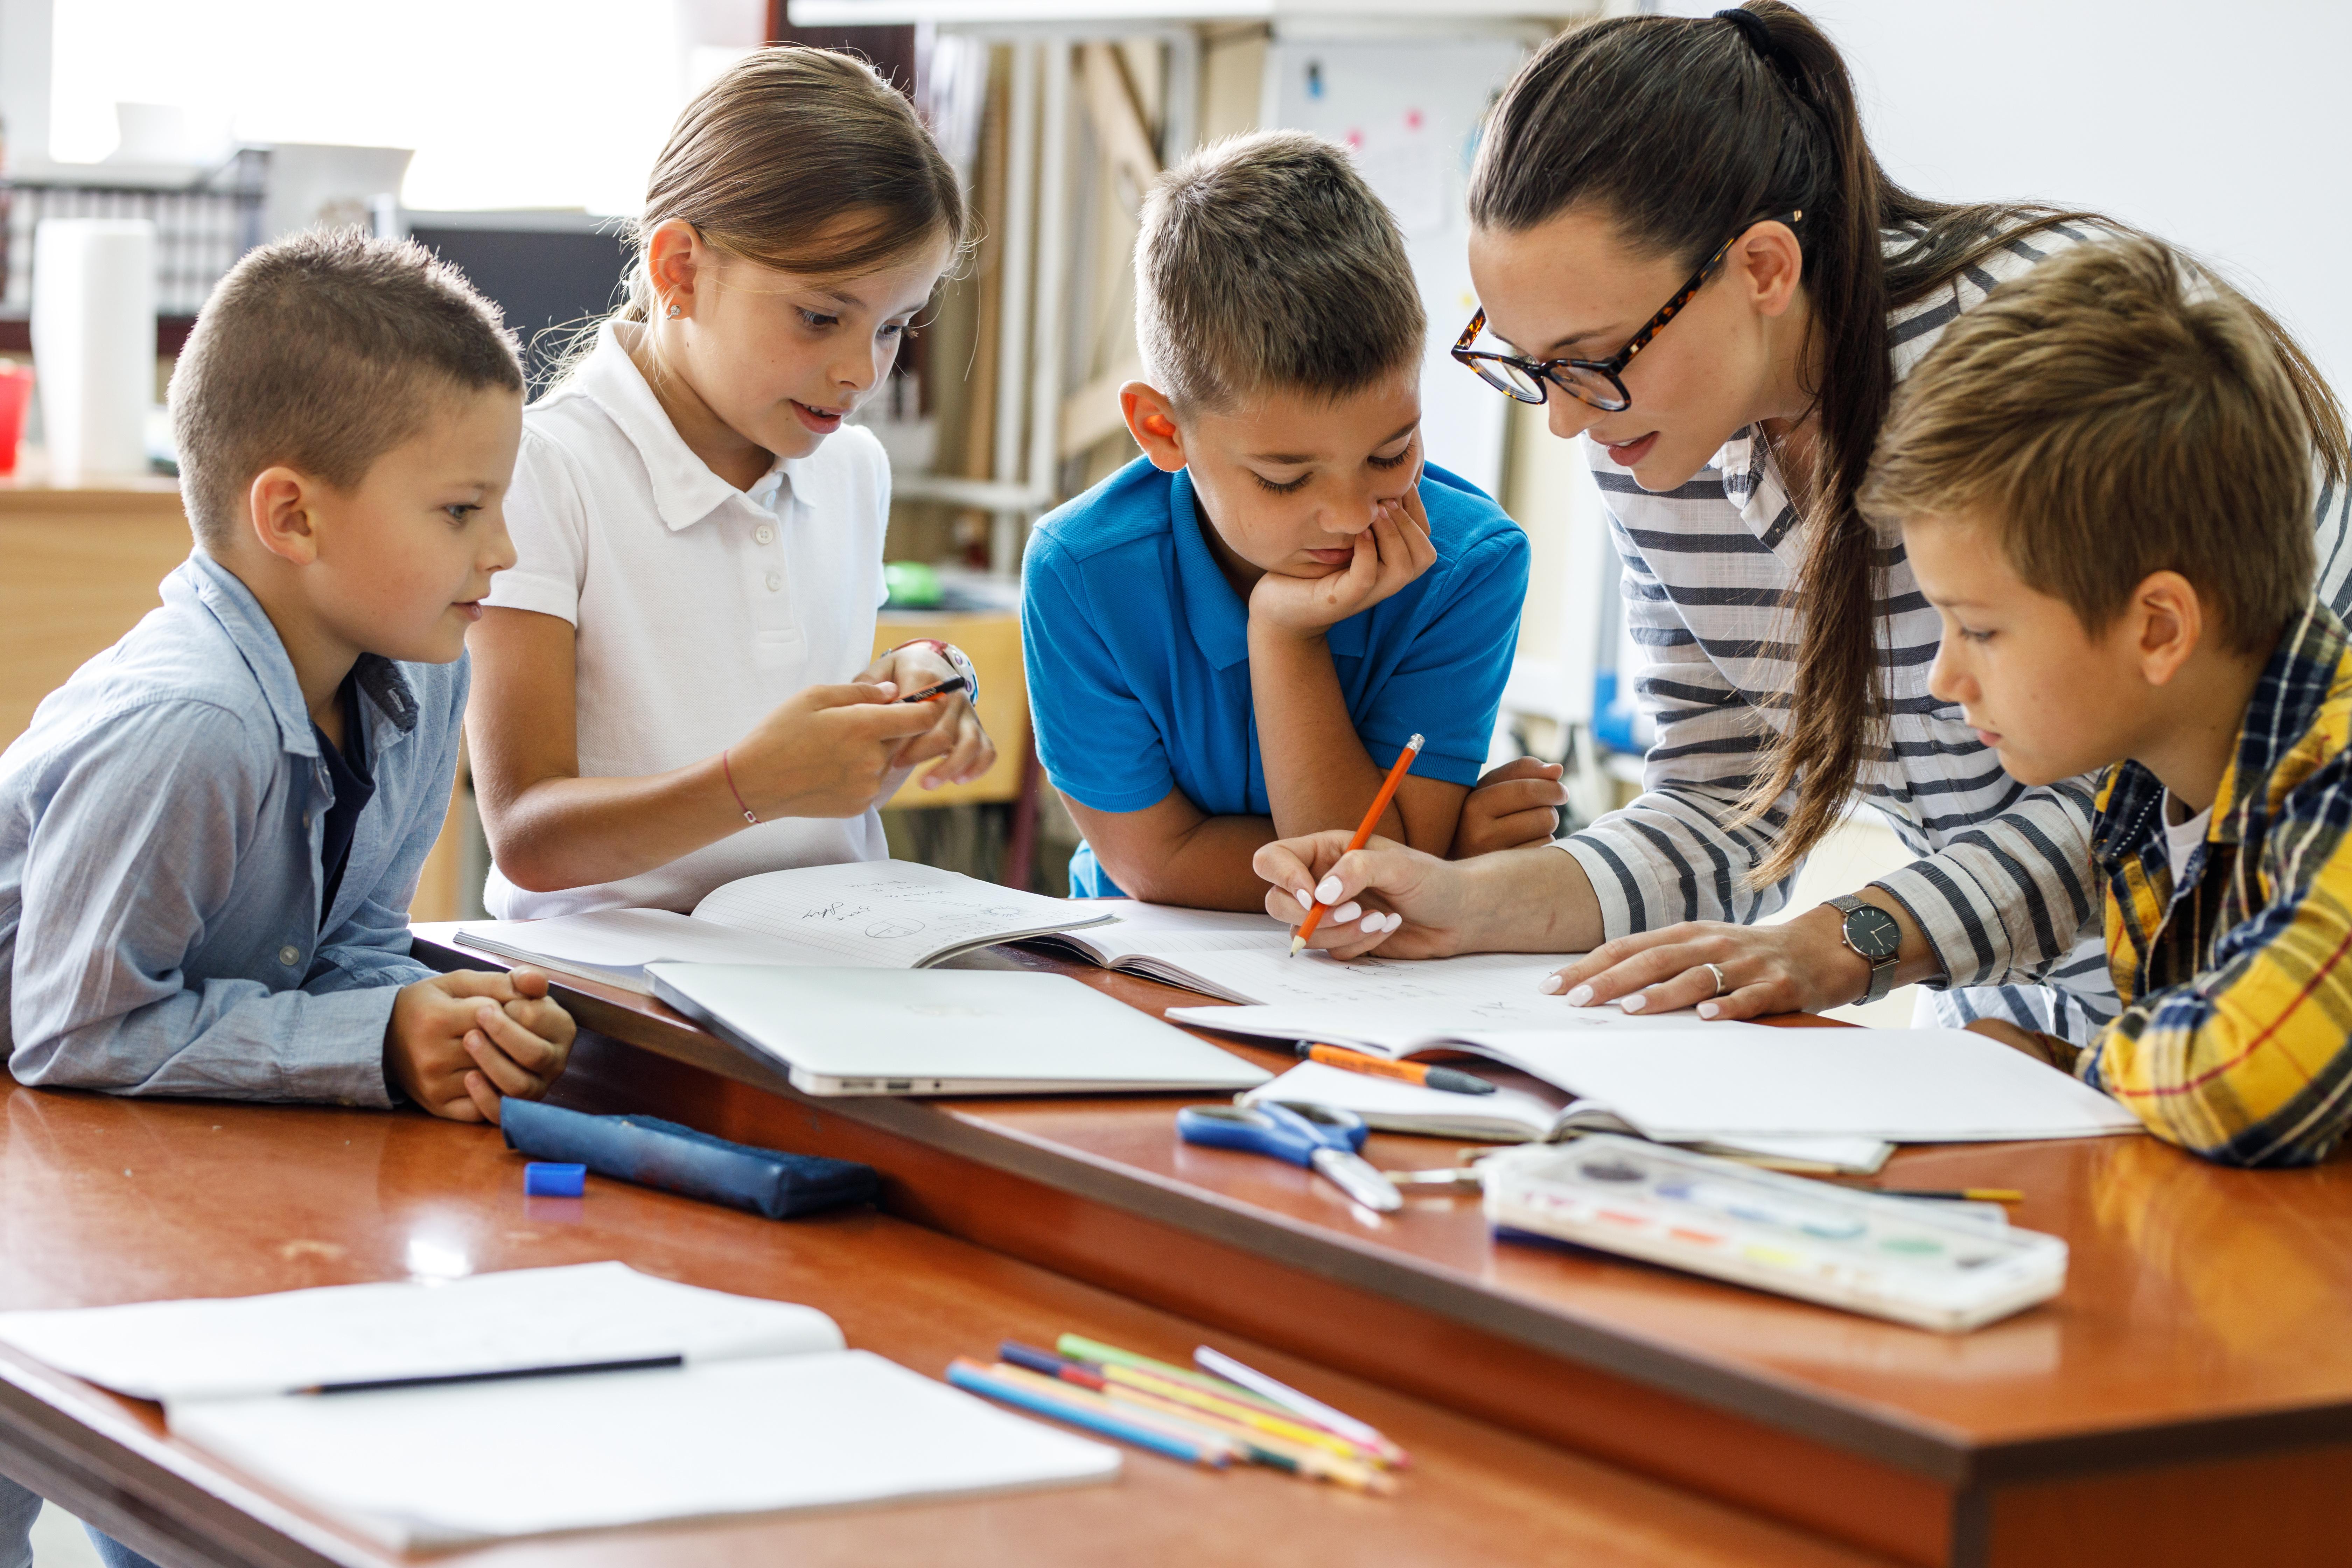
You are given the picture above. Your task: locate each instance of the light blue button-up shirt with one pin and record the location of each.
(160, 928)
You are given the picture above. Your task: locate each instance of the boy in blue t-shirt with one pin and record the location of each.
(1230, 640)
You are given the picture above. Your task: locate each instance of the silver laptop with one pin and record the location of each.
(944, 1031)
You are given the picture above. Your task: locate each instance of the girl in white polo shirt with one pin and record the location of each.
(672, 687)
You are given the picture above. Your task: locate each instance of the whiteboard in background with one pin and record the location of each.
(1410, 107)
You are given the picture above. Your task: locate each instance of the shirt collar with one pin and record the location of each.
(685, 489)
(1218, 617)
(224, 596)
(2287, 700)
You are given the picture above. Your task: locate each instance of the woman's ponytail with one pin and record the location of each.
(1685, 131)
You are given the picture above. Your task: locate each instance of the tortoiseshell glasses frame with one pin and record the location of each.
(1598, 382)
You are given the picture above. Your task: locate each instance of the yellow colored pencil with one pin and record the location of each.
(1233, 1410)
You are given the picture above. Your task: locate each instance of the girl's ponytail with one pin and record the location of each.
(1685, 131)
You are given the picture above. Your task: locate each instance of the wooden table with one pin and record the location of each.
(105, 1200)
(2190, 1392)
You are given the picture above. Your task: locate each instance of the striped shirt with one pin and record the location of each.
(2236, 1035)
(2002, 887)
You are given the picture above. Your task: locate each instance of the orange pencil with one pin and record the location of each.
(1402, 767)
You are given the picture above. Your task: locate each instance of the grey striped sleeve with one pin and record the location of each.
(2008, 899)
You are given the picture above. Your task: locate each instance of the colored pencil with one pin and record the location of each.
(1284, 1426)
(975, 1378)
(1452, 1080)
(1402, 766)
(1257, 1447)
(1953, 1194)
(1078, 1348)
(1222, 1365)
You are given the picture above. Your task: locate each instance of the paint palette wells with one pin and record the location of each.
(1902, 1258)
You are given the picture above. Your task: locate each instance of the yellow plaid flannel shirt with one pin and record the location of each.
(2235, 1039)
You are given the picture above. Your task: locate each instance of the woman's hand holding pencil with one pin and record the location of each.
(1378, 923)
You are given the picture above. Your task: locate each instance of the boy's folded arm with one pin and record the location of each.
(140, 831)
(2250, 1064)
(1172, 852)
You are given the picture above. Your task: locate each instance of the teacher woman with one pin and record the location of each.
(1688, 254)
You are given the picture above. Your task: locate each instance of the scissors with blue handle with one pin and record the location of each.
(1322, 1138)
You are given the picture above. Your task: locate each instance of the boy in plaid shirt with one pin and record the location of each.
(2103, 479)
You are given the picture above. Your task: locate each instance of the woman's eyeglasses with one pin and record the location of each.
(1596, 382)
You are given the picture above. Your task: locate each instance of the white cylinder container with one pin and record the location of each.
(94, 343)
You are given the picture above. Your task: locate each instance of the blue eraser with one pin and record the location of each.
(540, 1180)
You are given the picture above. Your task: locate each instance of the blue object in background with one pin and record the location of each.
(541, 1180)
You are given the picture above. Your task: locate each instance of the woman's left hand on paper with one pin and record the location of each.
(1800, 966)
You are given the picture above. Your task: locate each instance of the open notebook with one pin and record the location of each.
(860, 914)
(1246, 958)
(1708, 1082)
(768, 1411)
(1515, 1116)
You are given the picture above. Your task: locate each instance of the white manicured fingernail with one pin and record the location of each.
(1396, 922)
(1708, 1009)
(1634, 1002)
(1580, 996)
(1347, 912)
(1327, 889)
(1549, 984)
(1305, 899)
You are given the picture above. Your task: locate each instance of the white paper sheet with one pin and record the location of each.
(421, 1468)
(351, 1334)
(1905, 1086)
(1393, 1028)
(887, 914)
(1510, 1114)
(1273, 975)
(1152, 929)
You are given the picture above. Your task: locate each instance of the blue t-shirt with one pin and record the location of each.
(1138, 651)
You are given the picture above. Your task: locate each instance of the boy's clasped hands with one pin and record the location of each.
(457, 1042)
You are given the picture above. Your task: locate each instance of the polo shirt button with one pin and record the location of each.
(775, 581)
(306, 820)
(765, 533)
(289, 954)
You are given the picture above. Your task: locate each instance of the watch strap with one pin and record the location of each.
(1882, 970)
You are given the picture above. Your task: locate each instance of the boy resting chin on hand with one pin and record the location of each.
(2102, 479)
(1231, 640)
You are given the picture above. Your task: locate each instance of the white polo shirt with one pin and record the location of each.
(698, 608)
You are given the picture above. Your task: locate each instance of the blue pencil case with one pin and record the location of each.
(657, 1153)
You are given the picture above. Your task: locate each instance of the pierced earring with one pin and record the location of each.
(672, 311)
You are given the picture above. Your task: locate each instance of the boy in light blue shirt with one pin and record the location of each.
(210, 834)
(1231, 640)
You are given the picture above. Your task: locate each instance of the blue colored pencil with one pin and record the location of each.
(977, 1379)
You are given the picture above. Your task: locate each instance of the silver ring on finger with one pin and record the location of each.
(1721, 984)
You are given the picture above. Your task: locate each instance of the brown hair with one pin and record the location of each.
(323, 352)
(2115, 412)
(1265, 261)
(804, 159)
(1686, 130)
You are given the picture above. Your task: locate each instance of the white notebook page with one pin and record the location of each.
(352, 1334)
(878, 914)
(1905, 1086)
(434, 1466)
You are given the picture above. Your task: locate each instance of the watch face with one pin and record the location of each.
(1874, 933)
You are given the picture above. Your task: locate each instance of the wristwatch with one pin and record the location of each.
(1875, 935)
(957, 660)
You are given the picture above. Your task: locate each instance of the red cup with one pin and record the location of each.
(15, 398)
